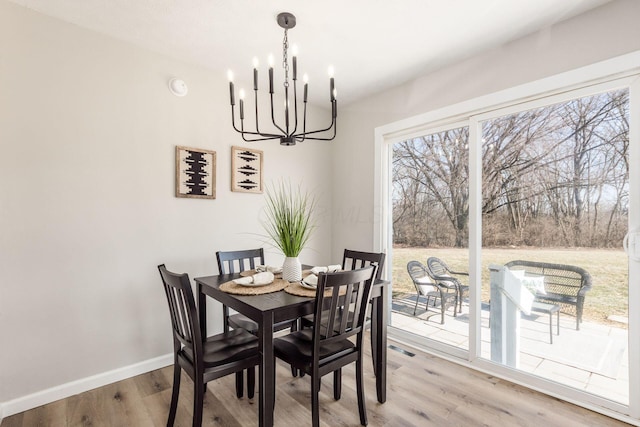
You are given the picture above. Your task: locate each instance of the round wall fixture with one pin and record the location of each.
(178, 87)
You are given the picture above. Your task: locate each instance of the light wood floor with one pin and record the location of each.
(422, 391)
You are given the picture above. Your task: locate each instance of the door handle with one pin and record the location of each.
(631, 245)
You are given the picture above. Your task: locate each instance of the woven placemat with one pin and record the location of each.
(233, 288)
(296, 288)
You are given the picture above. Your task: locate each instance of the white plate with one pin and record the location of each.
(253, 285)
(307, 286)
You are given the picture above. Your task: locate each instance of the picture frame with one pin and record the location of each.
(195, 173)
(246, 170)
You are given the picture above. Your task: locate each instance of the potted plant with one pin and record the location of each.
(289, 224)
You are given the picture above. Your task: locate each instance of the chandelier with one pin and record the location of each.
(292, 130)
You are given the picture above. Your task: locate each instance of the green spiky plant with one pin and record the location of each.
(289, 221)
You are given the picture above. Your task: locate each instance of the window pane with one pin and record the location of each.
(430, 219)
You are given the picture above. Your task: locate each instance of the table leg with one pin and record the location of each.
(550, 327)
(202, 319)
(267, 385)
(202, 312)
(379, 328)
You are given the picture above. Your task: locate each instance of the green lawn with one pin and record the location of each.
(608, 268)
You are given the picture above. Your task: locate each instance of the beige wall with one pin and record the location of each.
(603, 33)
(88, 130)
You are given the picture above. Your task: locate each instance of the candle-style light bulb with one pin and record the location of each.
(294, 52)
(332, 88)
(231, 95)
(330, 71)
(270, 61)
(241, 94)
(305, 79)
(255, 73)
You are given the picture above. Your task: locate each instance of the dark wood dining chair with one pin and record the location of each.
(352, 260)
(203, 358)
(339, 314)
(230, 262)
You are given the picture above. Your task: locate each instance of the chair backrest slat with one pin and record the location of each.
(353, 260)
(237, 261)
(182, 306)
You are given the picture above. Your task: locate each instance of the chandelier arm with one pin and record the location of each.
(265, 135)
(303, 136)
(316, 138)
(273, 118)
(286, 109)
(311, 132)
(295, 108)
(304, 121)
(259, 139)
(233, 119)
(241, 131)
(309, 138)
(256, 105)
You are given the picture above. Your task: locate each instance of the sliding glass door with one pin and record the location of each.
(529, 201)
(555, 203)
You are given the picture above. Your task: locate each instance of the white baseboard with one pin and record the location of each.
(62, 391)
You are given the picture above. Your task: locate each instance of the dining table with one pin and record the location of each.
(270, 308)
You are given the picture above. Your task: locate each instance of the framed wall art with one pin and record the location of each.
(195, 173)
(246, 170)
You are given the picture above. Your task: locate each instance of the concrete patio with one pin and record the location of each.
(594, 359)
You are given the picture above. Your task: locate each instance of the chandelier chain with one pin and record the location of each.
(285, 61)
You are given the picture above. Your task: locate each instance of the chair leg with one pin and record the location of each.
(315, 402)
(239, 384)
(337, 384)
(251, 382)
(174, 394)
(418, 300)
(360, 390)
(455, 305)
(294, 327)
(198, 400)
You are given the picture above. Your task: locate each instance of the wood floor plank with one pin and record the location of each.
(423, 390)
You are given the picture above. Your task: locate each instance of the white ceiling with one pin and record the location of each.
(372, 44)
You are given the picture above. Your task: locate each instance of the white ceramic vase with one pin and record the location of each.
(292, 269)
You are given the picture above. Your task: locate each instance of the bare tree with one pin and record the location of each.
(556, 175)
